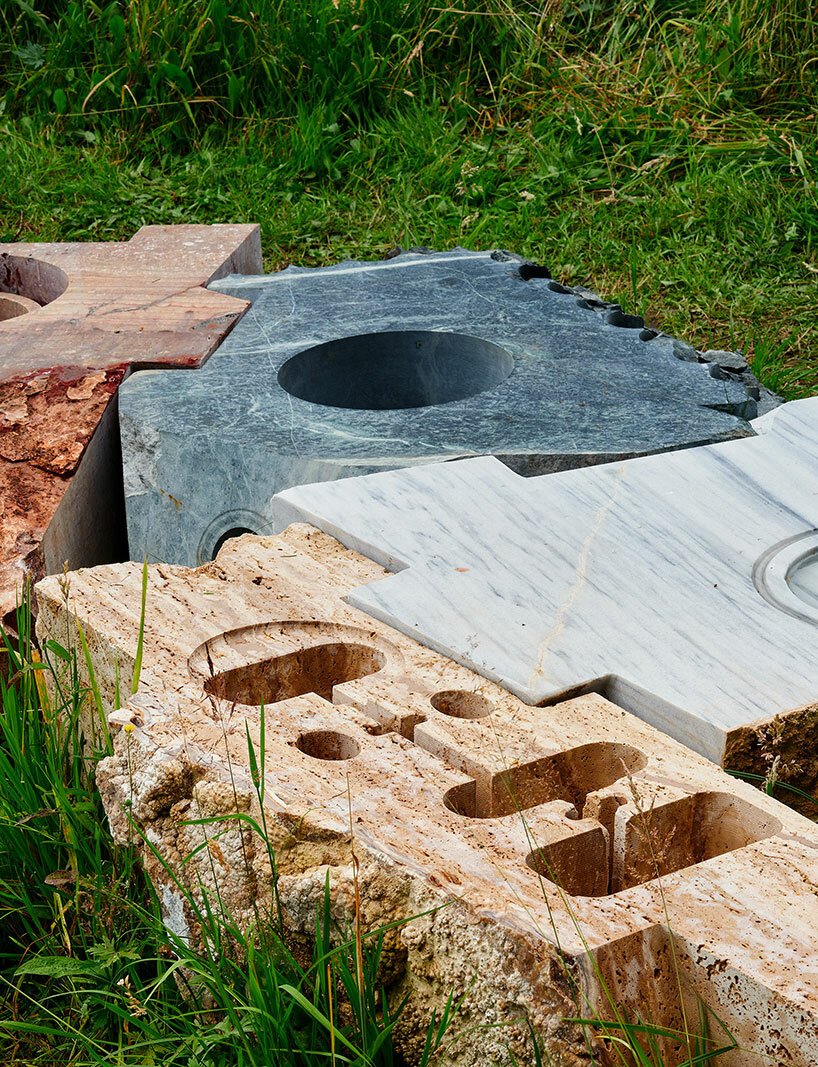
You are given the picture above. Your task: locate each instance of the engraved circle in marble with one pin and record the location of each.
(786, 575)
(803, 577)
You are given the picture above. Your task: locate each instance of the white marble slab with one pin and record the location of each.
(675, 583)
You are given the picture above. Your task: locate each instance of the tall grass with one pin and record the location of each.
(663, 153)
(179, 67)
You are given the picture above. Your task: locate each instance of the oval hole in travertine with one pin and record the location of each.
(328, 745)
(315, 669)
(462, 704)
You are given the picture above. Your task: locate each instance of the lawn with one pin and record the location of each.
(662, 154)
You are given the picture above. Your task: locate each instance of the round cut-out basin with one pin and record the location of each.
(398, 369)
(26, 284)
(803, 577)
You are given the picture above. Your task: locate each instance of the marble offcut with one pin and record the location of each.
(681, 585)
(75, 317)
(365, 367)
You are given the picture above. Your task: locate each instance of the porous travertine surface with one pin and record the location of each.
(531, 858)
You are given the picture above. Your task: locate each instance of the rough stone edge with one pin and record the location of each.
(723, 365)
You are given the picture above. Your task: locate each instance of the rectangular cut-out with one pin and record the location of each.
(677, 585)
(581, 791)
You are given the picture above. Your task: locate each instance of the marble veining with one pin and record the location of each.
(577, 382)
(665, 581)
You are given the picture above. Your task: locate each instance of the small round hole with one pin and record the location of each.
(461, 704)
(36, 281)
(12, 306)
(328, 745)
(228, 535)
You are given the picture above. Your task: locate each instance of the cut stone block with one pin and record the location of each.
(684, 586)
(74, 319)
(466, 808)
(363, 367)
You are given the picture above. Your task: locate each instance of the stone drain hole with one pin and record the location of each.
(328, 745)
(395, 370)
(315, 669)
(461, 704)
(228, 535)
(652, 844)
(27, 284)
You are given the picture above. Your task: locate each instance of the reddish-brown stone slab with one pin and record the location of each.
(75, 319)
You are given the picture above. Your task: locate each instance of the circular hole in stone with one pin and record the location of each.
(12, 306)
(803, 577)
(328, 745)
(461, 704)
(400, 369)
(26, 284)
(228, 535)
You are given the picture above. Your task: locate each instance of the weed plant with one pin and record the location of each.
(663, 153)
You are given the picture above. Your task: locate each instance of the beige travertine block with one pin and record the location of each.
(467, 808)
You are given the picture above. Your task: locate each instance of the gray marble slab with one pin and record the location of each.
(682, 585)
(541, 376)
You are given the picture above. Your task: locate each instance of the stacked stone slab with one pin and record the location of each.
(531, 855)
(684, 586)
(74, 319)
(363, 367)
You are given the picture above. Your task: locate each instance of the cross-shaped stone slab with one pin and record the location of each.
(680, 585)
(75, 317)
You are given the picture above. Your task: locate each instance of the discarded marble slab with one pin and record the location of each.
(74, 319)
(493, 831)
(682, 585)
(363, 367)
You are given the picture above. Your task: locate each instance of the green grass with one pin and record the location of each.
(663, 154)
